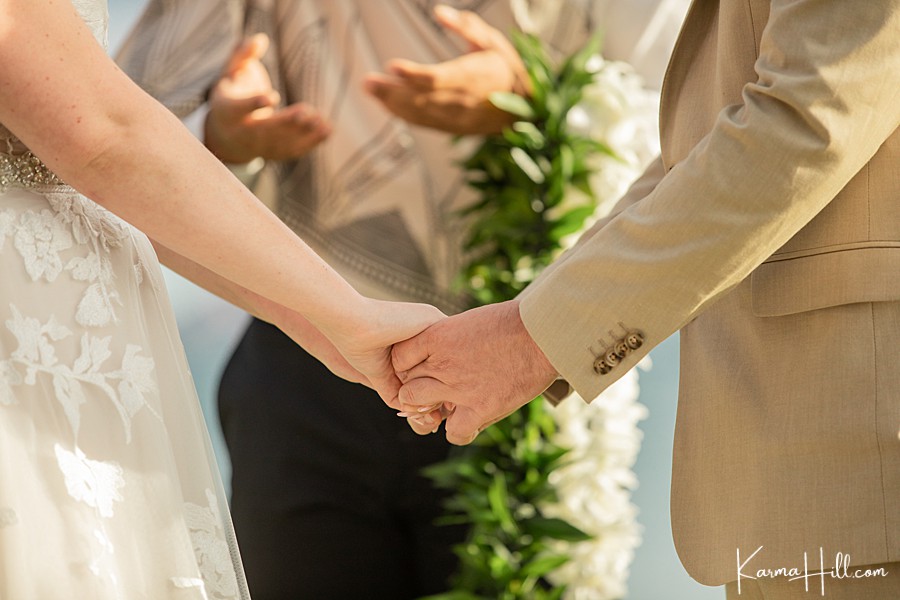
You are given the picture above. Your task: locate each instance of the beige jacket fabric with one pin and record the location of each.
(773, 244)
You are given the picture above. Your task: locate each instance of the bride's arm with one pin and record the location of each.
(292, 323)
(63, 97)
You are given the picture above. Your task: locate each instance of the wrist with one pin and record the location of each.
(543, 369)
(349, 320)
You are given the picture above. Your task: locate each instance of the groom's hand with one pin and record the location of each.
(482, 363)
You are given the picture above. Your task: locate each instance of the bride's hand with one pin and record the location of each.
(301, 331)
(368, 348)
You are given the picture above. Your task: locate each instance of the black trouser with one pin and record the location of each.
(327, 497)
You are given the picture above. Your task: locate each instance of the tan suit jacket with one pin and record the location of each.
(773, 244)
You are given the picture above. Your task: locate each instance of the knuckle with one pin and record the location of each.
(440, 364)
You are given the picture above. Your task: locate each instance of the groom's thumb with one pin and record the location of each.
(462, 427)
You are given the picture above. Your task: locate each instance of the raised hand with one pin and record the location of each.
(453, 96)
(244, 121)
(479, 366)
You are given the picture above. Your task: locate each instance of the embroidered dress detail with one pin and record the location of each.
(92, 482)
(213, 555)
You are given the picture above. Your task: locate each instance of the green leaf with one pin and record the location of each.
(534, 135)
(577, 63)
(552, 457)
(527, 164)
(556, 529)
(513, 104)
(572, 221)
(498, 498)
(556, 594)
(566, 162)
(543, 565)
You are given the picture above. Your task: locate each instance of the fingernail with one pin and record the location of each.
(407, 415)
(425, 409)
(424, 420)
(435, 430)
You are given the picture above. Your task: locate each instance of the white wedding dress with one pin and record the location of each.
(108, 485)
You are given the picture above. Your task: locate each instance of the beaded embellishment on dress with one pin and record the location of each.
(25, 170)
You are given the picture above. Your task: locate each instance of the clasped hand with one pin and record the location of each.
(472, 369)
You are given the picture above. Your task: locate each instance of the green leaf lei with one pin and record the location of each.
(527, 179)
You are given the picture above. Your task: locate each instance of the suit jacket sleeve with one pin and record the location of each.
(826, 97)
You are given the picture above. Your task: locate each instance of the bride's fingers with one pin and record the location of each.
(388, 387)
(421, 410)
(423, 419)
(425, 423)
(425, 392)
(409, 353)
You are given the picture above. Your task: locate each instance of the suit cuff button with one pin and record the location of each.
(634, 340)
(600, 366)
(611, 359)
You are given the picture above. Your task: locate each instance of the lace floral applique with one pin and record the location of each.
(36, 355)
(88, 219)
(9, 378)
(96, 484)
(92, 482)
(39, 238)
(211, 549)
(96, 306)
